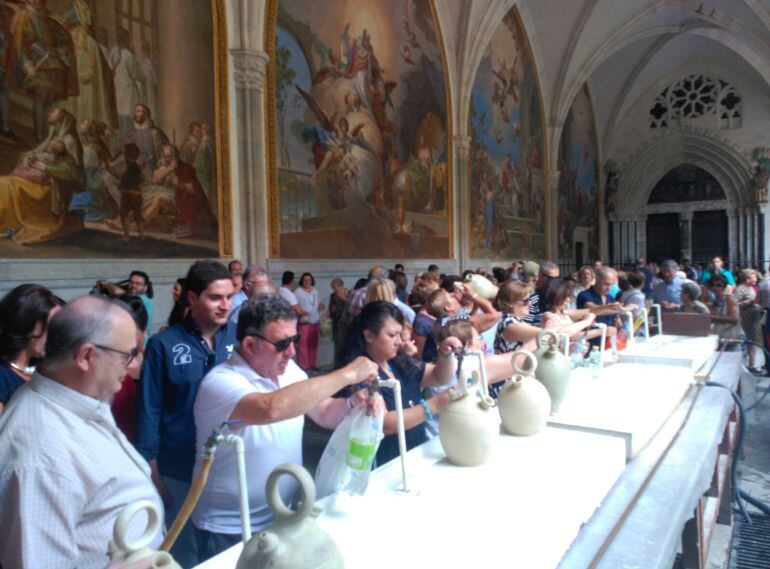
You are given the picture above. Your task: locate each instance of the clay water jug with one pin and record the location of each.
(293, 540)
(553, 367)
(137, 554)
(481, 285)
(469, 425)
(523, 402)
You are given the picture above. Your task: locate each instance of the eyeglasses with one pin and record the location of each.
(717, 286)
(126, 357)
(281, 345)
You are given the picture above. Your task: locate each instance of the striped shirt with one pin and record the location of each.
(66, 472)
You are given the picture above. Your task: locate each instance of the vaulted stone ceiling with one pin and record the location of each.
(622, 48)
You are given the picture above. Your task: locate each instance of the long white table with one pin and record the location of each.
(521, 509)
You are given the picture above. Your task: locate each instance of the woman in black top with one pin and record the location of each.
(24, 315)
(377, 333)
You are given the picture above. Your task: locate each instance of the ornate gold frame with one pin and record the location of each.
(271, 23)
(222, 114)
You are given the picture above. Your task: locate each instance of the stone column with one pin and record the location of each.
(685, 234)
(753, 249)
(461, 198)
(251, 205)
(616, 250)
(641, 237)
(552, 220)
(732, 236)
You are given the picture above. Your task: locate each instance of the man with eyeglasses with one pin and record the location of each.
(174, 365)
(263, 389)
(66, 469)
(254, 278)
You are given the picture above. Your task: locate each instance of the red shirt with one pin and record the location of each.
(124, 407)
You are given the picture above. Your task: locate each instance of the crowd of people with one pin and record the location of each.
(95, 415)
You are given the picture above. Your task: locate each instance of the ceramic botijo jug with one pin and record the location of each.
(468, 425)
(480, 285)
(293, 540)
(136, 554)
(553, 367)
(523, 402)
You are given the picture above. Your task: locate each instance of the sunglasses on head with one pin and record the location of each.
(281, 345)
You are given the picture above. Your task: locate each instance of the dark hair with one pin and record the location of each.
(372, 318)
(137, 309)
(131, 151)
(398, 265)
(231, 263)
(448, 283)
(432, 268)
(150, 292)
(467, 272)
(178, 311)
(203, 273)
(20, 310)
(360, 283)
(636, 279)
(555, 292)
(501, 274)
(287, 277)
(261, 310)
(312, 280)
(401, 282)
(623, 283)
(717, 278)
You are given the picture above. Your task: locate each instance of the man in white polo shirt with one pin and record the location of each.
(263, 387)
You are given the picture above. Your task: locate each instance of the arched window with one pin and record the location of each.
(693, 97)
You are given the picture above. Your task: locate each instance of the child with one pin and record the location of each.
(131, 191)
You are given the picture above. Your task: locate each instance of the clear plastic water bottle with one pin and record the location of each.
(595, 361)
(362, 446)
(578, 353)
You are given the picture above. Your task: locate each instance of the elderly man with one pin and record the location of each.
(598, 299)
(667, 292)
(265, 389)
(256, 281)
(66, 470)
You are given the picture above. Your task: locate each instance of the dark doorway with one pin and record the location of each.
(709, 236)
(663, 239)
(579, 259)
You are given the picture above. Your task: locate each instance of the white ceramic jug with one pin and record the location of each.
(137, 554)
(469, 425)
(293, 540)
(523, 402)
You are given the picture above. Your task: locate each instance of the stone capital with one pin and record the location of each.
(249, 68)
(462, 146)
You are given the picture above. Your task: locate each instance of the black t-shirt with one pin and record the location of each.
(10, 381)
(409, 372)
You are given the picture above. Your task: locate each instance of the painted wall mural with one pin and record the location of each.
(578, 194)
(113, 129)
(507, 183)
(360, 160)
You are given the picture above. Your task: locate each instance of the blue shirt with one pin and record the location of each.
(150, 310)
(174, 365)
(10, 381)
(667, 292)
(590, 295)
(239, 298)
(726, 274)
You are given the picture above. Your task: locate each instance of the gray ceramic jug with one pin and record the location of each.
(523, 402)
(293, 540)
(136, 554)
(553, 368)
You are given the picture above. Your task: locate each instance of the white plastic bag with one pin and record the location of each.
(347, 459)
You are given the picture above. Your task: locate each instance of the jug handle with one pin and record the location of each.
(549, 338)
(530, 364)
(306, 487)
(124, 518)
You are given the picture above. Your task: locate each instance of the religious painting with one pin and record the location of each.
(113, 129)
(507, 204)
(359, 131)
(578, 193)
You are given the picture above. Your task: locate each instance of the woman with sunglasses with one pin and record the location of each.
(725, 317)
(377, 334)
(24, 316)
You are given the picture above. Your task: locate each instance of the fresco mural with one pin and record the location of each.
(111, 133)
(578, 194)
(507, 182)
(359, 119)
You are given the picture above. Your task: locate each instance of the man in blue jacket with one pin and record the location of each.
(174, 365)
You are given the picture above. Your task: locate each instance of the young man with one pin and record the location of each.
(174, 365)
(287, 292)
(139, 284)
(263, 387)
